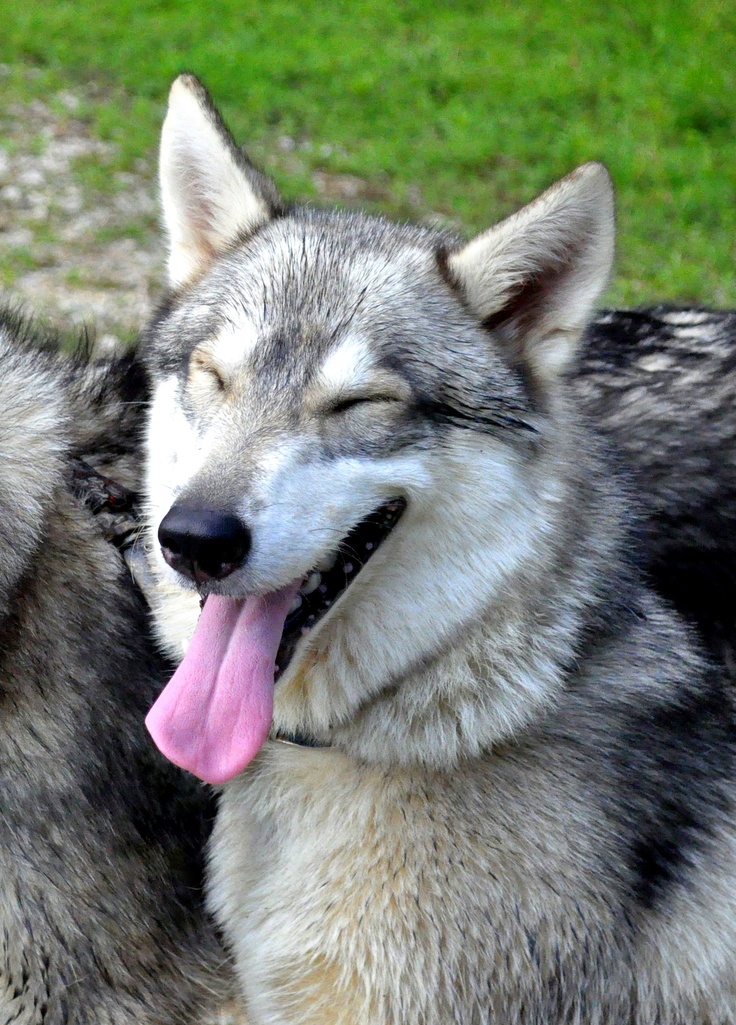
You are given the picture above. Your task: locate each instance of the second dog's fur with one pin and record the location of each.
(660, 384)
(101, 916)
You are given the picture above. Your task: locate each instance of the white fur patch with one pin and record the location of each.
(231, 346)
(686, 317)
(175, 451)
(656, 362)
(348, 366)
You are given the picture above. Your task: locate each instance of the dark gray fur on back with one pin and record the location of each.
(101, 919)
(660, 384)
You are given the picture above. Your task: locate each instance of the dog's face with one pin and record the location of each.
(345, 425)
(293, 395)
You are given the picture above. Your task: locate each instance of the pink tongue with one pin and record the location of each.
(215, 713)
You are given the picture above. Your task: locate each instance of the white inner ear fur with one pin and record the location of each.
(206, 197)
(547, 264)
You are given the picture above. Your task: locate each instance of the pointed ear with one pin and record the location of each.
(535, 277)
(210, 192)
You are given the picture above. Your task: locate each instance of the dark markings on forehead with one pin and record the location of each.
(298, 331)
(304, 285)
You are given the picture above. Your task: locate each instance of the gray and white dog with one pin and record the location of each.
(507, 789)
(101, 908)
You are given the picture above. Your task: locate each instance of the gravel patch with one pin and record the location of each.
(85, 257)
(76, 255)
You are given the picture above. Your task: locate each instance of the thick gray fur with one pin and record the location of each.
(101, 916)
(660, 383)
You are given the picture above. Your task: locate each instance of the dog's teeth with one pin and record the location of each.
(326, 564)
(296, 604)
(311, 583)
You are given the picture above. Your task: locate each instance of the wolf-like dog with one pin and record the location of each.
(473, 768)
(101, 908)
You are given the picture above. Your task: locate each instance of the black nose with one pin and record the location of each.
(203, 544)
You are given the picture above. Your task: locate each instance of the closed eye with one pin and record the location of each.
(352, 401)
(205, 367)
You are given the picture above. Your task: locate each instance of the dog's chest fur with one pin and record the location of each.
(337, 881)
(499, 885)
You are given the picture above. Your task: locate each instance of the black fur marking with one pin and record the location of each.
(701, 583)
(659, 384)
(474, 419)
(677, 762)
(615, 334)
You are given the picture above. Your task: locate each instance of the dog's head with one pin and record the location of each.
(347, 435)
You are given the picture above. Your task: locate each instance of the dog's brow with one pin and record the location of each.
(233, 343)
(348, 364)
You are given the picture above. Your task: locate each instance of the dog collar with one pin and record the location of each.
(299, 740)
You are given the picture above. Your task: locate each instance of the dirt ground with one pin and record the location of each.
(73, 254)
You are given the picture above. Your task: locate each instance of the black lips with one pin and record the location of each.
(353, 553)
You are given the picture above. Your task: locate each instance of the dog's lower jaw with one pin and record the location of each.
(409, 719)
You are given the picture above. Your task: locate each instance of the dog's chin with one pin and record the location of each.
(324, 586)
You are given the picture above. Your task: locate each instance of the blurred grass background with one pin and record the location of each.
(458, 109)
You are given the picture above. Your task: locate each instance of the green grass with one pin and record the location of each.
(476, 105)
(17, 261)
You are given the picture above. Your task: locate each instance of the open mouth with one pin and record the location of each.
(323, 586)
(216, 711)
